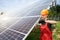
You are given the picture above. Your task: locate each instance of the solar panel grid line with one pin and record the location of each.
(28, 16)
(17, 26)
(6, 23)
(11, 35)
(31, 22)
(6, 38)
(31, 29)
(11, 25)
(2, 29)
(22, 24)
(16, 31)
(26, 25)
(2, 37)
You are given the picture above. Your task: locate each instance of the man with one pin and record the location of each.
(45, 26)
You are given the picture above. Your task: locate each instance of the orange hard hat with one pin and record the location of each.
(44, 12)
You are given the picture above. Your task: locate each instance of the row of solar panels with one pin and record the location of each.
(18, 28)
(32, 10)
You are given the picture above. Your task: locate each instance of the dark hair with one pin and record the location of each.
(42, 21)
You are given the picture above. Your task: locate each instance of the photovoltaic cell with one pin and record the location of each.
(2, 29)
(11, 35)
(5, 23)
(25, 24)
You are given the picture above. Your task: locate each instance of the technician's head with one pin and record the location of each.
(44, 13)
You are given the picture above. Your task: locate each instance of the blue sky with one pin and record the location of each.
(58, 2)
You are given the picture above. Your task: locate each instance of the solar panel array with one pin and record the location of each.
(18, 26)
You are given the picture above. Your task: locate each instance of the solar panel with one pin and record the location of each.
(38, 8)
(25, 24)
(18, 25)
(19, 30)
(11, 35)
(2, 29)
(32, 10)
(6, 22)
